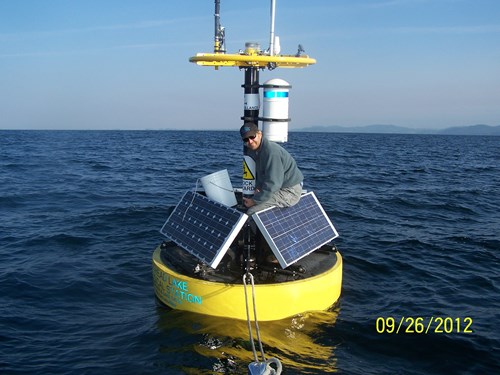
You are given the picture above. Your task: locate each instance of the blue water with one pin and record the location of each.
(80, 212)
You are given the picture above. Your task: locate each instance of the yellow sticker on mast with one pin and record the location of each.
(248, 175)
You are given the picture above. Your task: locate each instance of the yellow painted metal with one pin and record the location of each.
(252, 60)
(274, 301)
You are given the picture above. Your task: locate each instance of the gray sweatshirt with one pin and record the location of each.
(275, 169)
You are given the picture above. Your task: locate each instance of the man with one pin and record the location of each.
(278, 180)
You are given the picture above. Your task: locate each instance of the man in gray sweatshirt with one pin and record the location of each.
(278, 180)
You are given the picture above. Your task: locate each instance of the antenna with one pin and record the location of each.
(271, 38)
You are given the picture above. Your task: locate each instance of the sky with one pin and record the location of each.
(124, 64)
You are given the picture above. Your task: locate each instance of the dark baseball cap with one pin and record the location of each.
(248, 129)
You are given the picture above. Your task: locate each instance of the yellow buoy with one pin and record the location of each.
(274, 301)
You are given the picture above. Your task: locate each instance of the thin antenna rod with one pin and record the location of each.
(271, 41)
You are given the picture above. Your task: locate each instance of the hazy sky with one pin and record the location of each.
(123, 64)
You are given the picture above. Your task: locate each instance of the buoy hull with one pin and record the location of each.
(274, 301)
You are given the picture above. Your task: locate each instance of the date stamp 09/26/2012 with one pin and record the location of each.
(423, 325)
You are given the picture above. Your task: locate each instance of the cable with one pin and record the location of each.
(248, 315)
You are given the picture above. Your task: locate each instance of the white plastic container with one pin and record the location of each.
(275, 110)
(218, 187)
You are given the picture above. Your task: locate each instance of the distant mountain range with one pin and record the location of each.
(393, 129)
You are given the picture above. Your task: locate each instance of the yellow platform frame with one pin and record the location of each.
(252, 60)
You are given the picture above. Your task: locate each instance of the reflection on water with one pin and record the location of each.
(223, 344)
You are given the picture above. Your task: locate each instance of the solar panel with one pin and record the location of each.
(203, 227)
(294, 232)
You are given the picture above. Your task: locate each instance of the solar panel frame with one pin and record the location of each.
(295, 232)
(203, 227)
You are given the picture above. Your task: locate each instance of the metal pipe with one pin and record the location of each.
(217, 41)
(251, 93)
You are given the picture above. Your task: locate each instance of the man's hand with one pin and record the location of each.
(248, 202)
